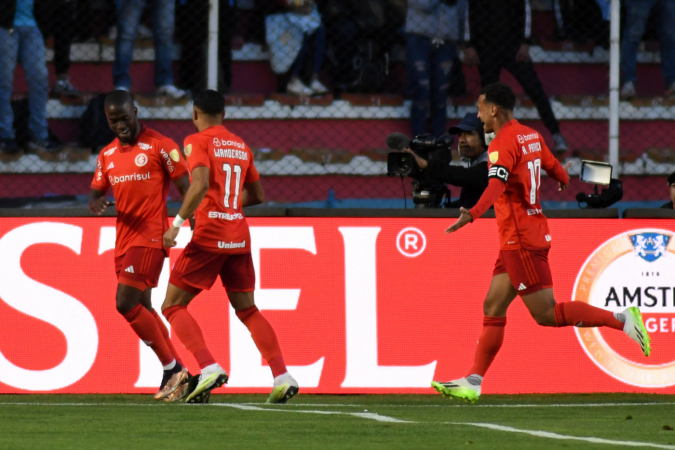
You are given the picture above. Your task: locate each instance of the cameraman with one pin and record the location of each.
(473, 179)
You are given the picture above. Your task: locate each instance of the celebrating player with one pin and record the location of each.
(224, 180)
(516, 157)
(138, 165)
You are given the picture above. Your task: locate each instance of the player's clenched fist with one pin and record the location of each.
(100, 205)
(170, 236)
(464, 218)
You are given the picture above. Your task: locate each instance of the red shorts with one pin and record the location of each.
(197, 269)
(528, 269)
(140, 267)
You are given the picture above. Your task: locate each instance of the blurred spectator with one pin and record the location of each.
(193, 28)
(128, 18)
(637, 13)
(581, 21)
(57, 18)
(671, 185)
(21, 40)
(433, 29)
(361, 34)
(289, 36)
(498, 36)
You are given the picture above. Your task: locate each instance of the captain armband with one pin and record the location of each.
(499, 172)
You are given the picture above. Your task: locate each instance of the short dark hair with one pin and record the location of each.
(499, 94)
(119, 97)
(671, 179)
(210, 102)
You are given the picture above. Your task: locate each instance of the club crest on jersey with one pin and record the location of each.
(631, 269)
(188, 150)
(174, 155)
(141, 160)
(650, 246)
(144, 146)
(494, 157)
(216, 142)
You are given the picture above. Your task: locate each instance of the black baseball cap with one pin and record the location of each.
(470, 122)
(671, 179)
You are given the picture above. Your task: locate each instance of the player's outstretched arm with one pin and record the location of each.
(193, 197)
(253, 194)
(465, 217)
(183, 184)
(495, 188)
(97, 201)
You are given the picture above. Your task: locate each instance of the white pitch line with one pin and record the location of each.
(363, 415)
(450, 405)
(547, 434)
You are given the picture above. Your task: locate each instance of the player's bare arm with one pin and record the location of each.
(465, 217)
(562, 185)
(193, 197)
(97, 202)
(183, 184)
(253, 194)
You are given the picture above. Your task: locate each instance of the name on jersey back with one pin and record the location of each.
(230, 153)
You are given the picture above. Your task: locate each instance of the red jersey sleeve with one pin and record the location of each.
(100, 181)
(502, 158)
(552, 166)
(172, 160)
(196, 152)
(252, 174)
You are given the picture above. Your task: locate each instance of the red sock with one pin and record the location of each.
(490, 342)
(167, 338)
(582, 314)
(265, 339)
(145, 327)
(189, 333)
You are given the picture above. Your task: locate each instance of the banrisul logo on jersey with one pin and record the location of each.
(636, 268)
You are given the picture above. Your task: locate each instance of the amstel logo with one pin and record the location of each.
(636, 268)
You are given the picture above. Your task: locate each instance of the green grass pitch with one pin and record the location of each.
(345, 422)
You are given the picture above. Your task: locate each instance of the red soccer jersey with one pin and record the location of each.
(221, 226)
(516, 157)
(139, 175)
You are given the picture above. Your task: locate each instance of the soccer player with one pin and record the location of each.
(516, 157)
(138, 165)
(224, 180)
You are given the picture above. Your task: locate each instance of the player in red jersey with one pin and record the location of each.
(224, 180)
(138, 165)
(516, 157)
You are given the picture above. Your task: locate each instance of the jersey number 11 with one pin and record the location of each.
(535, 179)
(228, 180)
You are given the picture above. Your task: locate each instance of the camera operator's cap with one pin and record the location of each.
(470, 122)
(671, 179)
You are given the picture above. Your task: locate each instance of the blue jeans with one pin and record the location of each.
(428, 69)
(26, 45)
(637, 13)
(128, 19)
(319, 42)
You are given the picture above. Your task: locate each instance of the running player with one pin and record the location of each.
(516, 157)
(138, 165)
(224, 180)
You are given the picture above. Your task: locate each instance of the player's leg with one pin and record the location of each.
(238, 277)
(146, 301)
(195, 270)
(530, 270)
(499, 297)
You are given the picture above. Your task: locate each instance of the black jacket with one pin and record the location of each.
(42, 9)
(668, 205)
(496, 26)
(473, 179)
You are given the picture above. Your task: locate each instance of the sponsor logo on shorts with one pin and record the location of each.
(125, 178)
(522, 287)
(225, 216)
(222, 244)
(636, 268)
(129, 269)
(144, 146)
(141, 160)
(548, 238)
(109, 152)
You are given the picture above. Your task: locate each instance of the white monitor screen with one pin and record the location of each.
(595, 172)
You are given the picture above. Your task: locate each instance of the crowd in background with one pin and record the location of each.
(316, 47)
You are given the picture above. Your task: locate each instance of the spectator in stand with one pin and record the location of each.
(508, 22)
(582, 21)
(128, 19)
(193, 23)
(671, 185)
(21, 39)
(290, 35)
(637, 13)
(433, 28)
(58, 17)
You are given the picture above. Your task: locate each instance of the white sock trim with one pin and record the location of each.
(170, 366)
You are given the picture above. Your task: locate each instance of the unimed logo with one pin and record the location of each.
(636, 268)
